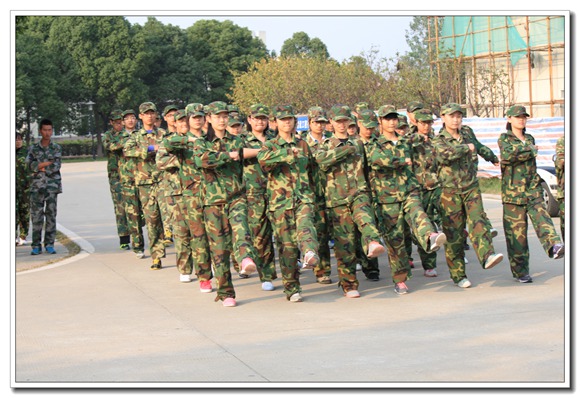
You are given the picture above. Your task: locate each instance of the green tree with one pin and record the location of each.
(301, 45)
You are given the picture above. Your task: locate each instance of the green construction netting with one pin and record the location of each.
(467, 36)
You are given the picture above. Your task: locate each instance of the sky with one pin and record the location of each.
(344, 35)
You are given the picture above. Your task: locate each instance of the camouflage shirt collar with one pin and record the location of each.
(283, 142)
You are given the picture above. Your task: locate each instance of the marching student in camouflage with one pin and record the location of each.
(169, 164)
(367, 124)
(256, 182)
(559, 163)
(341, 159)
(113, 155)
(166, 203)
(129, 190)
(425, 167)
(522, 196)
(352, 129)
(314, 136)
(397, 197)
(461, 203)
(43, 161)
(143, 146)
(412, 107)
(22, 181)
(191, 206)
(220, 155)
(402, 126)
(291, 203)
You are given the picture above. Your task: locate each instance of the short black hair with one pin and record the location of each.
(45, 122)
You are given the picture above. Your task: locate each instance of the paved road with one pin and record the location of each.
(106, 318)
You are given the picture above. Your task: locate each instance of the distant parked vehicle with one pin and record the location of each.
(550, 185)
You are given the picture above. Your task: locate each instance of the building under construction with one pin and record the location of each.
(492, 62)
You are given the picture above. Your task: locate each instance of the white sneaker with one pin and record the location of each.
(465, 260)
(493, 232)
(267, 286)
(352, 294)
(436, 241)
(140, 254)
(375, 250)
(21, 242)
(359, 267)
(493, 260)
(296, 298)
(184, 278)
(310, 260)
(464, 283)
(430, 273)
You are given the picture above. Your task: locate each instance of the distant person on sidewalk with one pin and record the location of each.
(22, 192)
(559, 162)
(522, 196)
(43, 160)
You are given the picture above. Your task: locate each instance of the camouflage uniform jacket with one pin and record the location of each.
(343, 165)
(424, 163)
(457, 164)
(519, 178)
(190, 176)
(222, 176)
(146, 172)
(255, 178)
(22, 172)
(50, 179)
(318, 176)
(390, 177)
(559, 163)
(127, 166)
(169, 165)
(113, 155)
(289, 175)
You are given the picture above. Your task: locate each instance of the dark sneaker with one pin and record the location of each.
(558, 251)
(35, 251)
(156, 264)
(373, 276)
(525, 279)
(50, 250)
(125, 246)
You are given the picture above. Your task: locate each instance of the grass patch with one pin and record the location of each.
(491, 185)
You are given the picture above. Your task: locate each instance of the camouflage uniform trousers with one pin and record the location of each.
(369, 265)
(181, 236)
(345, 220)
(562, 218)
(430, 200)
(198, 239)
(393, 217)
(148, 195)
(227, 231)
(457, 210)
(167, 210)
(22, 211)
(515, 225)
(295, 232)
(134, 216)
(261, 232)
(322, 226)
(119, 206)
(43, 214)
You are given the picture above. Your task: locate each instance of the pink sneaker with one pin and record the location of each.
(247, 267)
(375, 249)
(229, 302)
(205, 286)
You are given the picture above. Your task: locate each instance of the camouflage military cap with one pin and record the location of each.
(206, 109)
(116, 114)
(169, 108)
(340, 112)
(368, 118)
(217, 107)
(147, 106)
(317, 114)
(402, 122)
(235, 119)
(388, 110)
(450, 108)
(517, 110)
(353, 121)
(358, 107)
(259, 110)
(128, 112)
(423, 115)
(233, 109)
(414, 105)
(283, 111)
(195, 109)
(179, 114)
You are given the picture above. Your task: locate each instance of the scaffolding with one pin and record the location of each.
(498, 61)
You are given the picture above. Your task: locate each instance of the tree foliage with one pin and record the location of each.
(301, 45)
